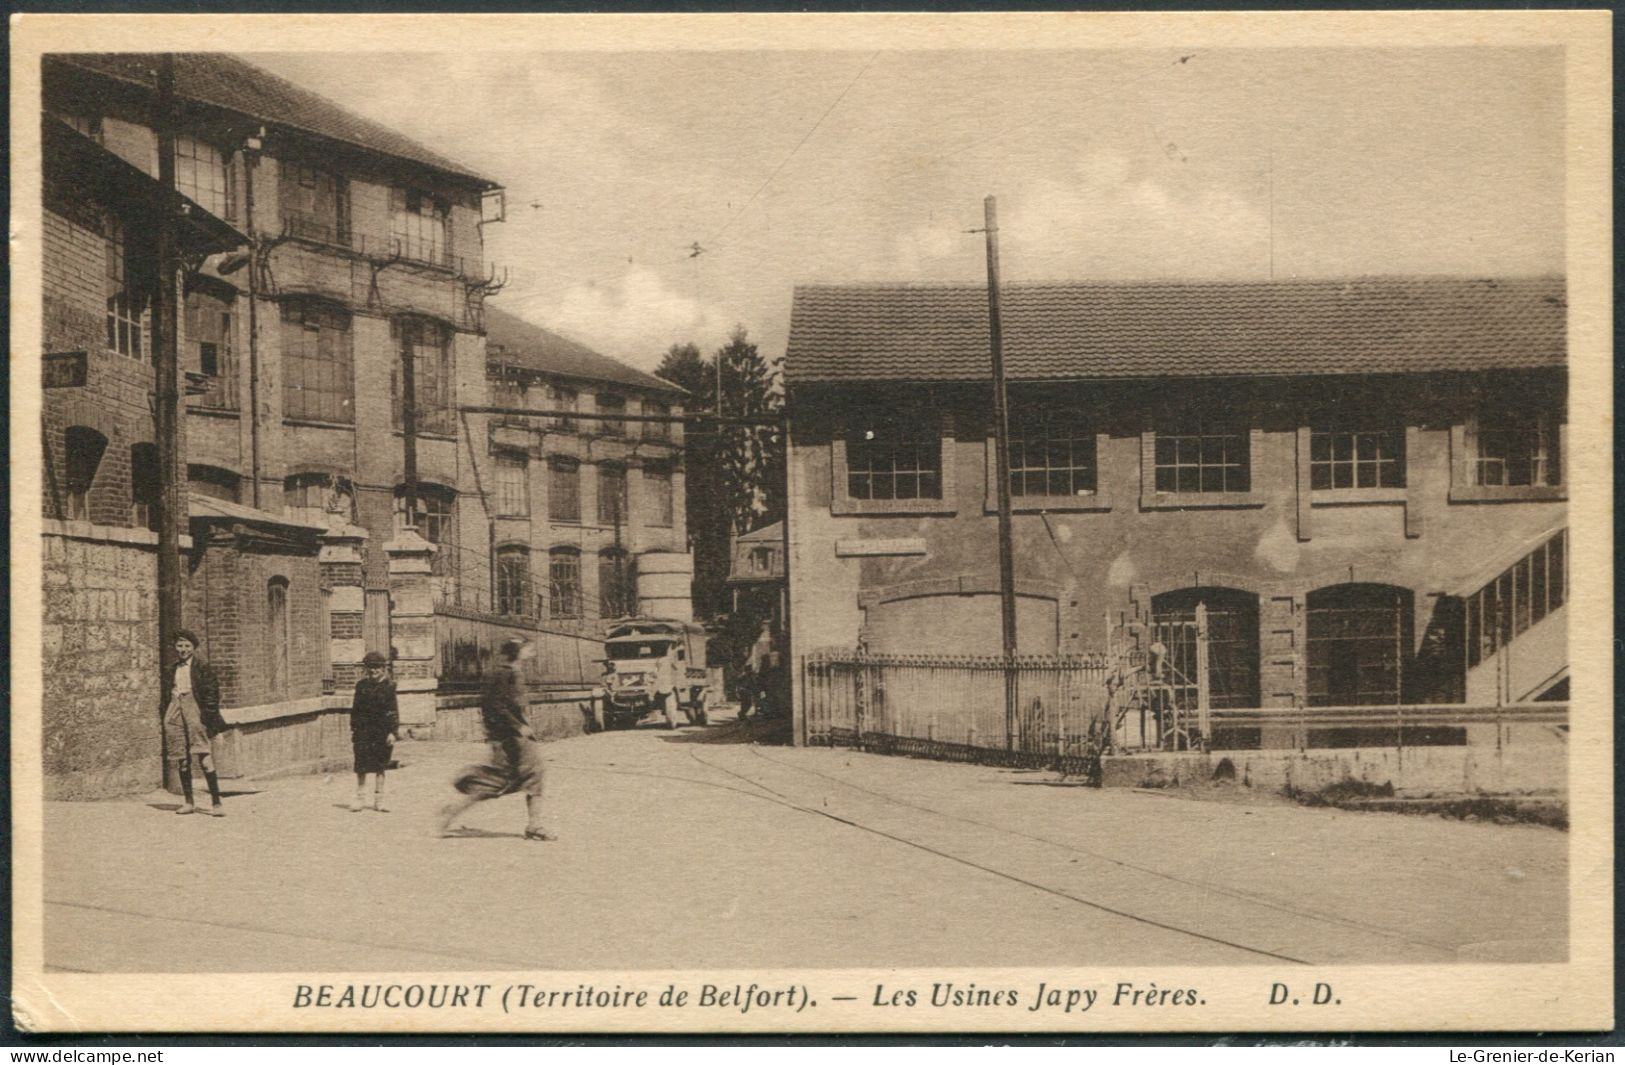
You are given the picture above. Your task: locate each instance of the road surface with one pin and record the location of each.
(701, 849)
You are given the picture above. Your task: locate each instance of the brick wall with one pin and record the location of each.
(228, 602)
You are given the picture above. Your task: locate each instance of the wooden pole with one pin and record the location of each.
(1001, 441)
(166, 358)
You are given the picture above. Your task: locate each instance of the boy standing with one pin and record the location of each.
(192, 699)
(375, 720)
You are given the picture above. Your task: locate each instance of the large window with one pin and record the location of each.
(563, 489)
(315, 204)
(209, 349)
(1203, 457)
(656, 430)
(561, 398)
(617, 585)
(144, 487)
(1051, 454)
(894, 457)
(1514, 448)
(1357, 644)
(418, 226)
(318, 498)
(436, 520)
(318, 375)
(564, 583)
(126, 304)
(84, 447)
(203, 176)
(611, 494)
(513, 594)
(1349, 458)
(511, 474)
(610, 404)
(429, 345)
(1533, 587)
(657, 495)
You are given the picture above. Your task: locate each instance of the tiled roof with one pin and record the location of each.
(533, 348)
(773, 533)
(226, 81)
(1058, 330)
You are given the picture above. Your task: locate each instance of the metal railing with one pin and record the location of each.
(954, 707)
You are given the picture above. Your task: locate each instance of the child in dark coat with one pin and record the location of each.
(374, 721)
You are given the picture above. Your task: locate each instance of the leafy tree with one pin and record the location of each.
(735, 473)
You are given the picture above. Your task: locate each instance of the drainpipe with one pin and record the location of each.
(250, 161)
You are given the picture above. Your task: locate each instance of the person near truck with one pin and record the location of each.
(515, 763)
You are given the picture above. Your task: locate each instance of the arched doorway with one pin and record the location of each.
(1228, 619)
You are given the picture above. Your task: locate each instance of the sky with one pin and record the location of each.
(832, 166)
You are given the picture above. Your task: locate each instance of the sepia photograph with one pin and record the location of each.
(812, 523)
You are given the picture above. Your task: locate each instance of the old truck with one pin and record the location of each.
(653, 665)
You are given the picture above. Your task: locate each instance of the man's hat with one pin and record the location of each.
(374, 660)
(511, 646)
(188, 635)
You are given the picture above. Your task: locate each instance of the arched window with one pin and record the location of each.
(1227, 620)
(319, 498)
(564, 583)
(215, 482)
(1358, 644)
(84, 447)
(436, 521)
(144, 487)
(513, 594)
(277, 635)
(510, 474)
(617, 590)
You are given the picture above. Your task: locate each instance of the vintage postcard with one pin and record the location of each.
(773, 523)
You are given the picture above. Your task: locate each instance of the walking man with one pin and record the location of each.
(191, 718)
(515, 763)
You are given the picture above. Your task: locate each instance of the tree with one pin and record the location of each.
(735, 473)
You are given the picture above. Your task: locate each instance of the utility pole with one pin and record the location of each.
(409, 428)
(1001, 442)
(166, 357)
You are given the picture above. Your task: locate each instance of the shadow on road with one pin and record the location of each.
(770, 732)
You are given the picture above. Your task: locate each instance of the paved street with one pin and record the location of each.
(701, 849)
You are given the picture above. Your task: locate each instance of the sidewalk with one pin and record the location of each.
(690, 849)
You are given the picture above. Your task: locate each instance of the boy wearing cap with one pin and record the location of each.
(191, 718)
(374, 720)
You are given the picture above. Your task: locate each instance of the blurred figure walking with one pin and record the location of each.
(516, 759)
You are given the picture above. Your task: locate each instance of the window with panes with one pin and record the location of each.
(1356, 458)
(511, 477)
(429, 344)
(611, 404)
(204, 176)
(657, 430)
(315, 204)
(318, 498)
(564, 583)
(436, 520)
(894, 455)
(209, 349)
(1052, 453)
(657, 494)
(418, 226)
(513, 590)
(317, 363)
(561, 398)
(563, 489)
(611, 494)
(1510, 447)
(617, 586)
(126, 305)
(1203, 456)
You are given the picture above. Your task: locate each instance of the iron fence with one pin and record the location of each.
(955, 707)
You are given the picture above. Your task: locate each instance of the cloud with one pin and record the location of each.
(634, 317)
